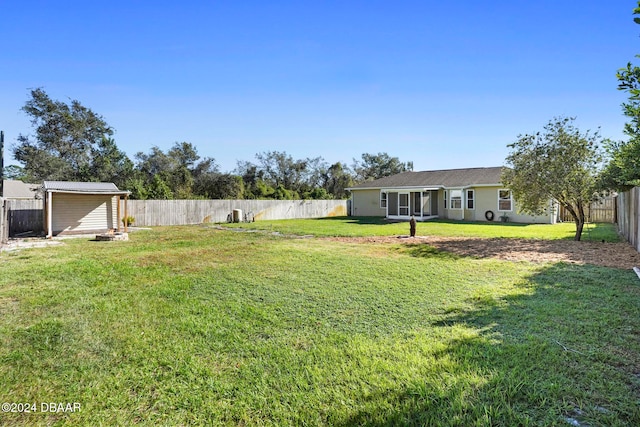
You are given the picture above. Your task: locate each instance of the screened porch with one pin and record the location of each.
(422, 204)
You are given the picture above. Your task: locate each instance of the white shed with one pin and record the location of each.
(82, 207)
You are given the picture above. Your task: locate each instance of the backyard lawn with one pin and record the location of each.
(203, 326)
(375, 226)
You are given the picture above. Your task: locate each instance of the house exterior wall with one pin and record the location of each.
(444, 206)
(83, 212)
(487, 200)
(367, 203)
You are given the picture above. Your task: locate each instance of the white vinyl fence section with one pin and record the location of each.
(182, 212)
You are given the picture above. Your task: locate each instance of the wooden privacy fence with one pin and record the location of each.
(25, 217)
(628, 205)
(182, 212)
(603, 210)
(20, 217)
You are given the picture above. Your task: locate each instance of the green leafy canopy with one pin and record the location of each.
(623, 169)
(560, 163)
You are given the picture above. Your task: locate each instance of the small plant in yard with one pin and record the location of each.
(129, 220)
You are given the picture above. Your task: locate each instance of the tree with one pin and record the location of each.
(154, 171)
(174, 174)
(254, 185)
(71, 143)
(288, 176)
(280, 176)
(185, 154)
(14, 172)
(623, 169)
(158, 189)
(336, 179)
(109, 163)
(374, 166)
(559, 163)
(220, 186)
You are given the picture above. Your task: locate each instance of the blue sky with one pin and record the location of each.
(441, 83)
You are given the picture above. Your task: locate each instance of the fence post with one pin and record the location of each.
(4, 223)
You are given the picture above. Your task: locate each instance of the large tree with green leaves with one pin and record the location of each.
(179, 173)
(71, 143)
(277, 175)
(336, 179)
(560, 163)
(374, 166)
(623, 169)
(14, 172)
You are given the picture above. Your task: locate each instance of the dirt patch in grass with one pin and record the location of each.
(616, 255)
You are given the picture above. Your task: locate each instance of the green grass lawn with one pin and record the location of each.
(375, 226)
(198, 326)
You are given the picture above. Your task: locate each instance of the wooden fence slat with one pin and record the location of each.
(27, 215)
(24, 216)
(600, 211)
(179, 212)
(628, 209)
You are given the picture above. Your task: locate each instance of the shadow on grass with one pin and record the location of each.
(564, 351)
(428, 251)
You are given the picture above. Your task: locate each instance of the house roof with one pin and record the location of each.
(13, 189)
(450, 178)
(82, 187)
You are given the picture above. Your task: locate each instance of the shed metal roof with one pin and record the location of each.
(449, 178)
(82, 187)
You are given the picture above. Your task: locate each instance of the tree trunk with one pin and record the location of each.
(579, 219)
(577, 213)
(579, 227)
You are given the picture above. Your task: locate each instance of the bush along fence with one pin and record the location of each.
(25, 217)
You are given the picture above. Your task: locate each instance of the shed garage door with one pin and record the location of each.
(83, 212)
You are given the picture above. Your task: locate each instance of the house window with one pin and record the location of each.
(445, 199)
(471, 199)
(456, 199)
(505, 202)
(383, 200)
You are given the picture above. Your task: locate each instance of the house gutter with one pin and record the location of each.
(414, 188)
(392, 189)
